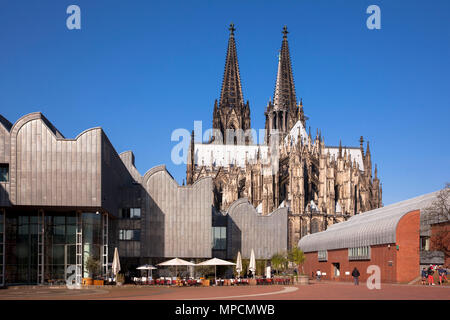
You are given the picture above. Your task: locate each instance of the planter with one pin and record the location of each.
(99, 282)
(87, 281)
(303, 280)
(205, 283)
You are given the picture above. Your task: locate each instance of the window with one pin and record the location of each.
(424, 243)
(4, 172)
(322, 255)
(219, 238)
(314, 225)
(133, 235)
(130, 213)
(359, 253)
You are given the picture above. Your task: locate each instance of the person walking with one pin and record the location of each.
(430, 272)
(319, 275)
(442, 274)
(424, 276)
(355, 275)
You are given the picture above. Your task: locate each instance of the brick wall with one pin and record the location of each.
(408, 242)
(380, 255)
(396, 265)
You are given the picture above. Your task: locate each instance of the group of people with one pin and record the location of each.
(428, 275)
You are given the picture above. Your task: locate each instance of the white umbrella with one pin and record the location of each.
(147, 267)
(176, 262)
(215, 262)
(116, 263)
(252, 265)
(239, 264)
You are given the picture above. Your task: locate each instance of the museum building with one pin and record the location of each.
(65, 200)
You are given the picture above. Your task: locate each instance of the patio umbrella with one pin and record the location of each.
(252, 265)
(116, 263)
(215, 262)
(147, 267)
(176, 262)
(239, 263)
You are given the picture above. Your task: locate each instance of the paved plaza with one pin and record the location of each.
(314, 291)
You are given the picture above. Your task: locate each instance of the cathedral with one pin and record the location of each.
(319, 184)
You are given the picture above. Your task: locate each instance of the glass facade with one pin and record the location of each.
(21, 247)
(92, 239)
(59, 245)
(4, 172)
(219, 236)
(130, 213)
(134, 235)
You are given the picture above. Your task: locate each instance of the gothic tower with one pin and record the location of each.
(231, 112)
(284, 112)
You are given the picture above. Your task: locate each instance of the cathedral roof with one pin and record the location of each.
(355, 154)
(373, 227)
(226, 155)
(293, 134)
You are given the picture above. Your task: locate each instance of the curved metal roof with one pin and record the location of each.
(370, 228)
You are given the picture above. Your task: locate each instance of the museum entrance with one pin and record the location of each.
(51, 247)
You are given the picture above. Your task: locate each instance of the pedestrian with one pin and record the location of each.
(430, 275)
(319, 275)
(442, 274)
(355, 275)
(424, 276)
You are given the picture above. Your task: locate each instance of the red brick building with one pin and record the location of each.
(387, 237)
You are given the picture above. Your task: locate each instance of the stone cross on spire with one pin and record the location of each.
(284, 32)
(232, 29)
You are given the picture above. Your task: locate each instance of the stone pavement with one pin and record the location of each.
(314, 291)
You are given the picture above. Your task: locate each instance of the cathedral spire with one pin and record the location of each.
(284, 96)
(231, 94)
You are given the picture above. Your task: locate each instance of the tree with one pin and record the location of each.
(297, 256)
(438, 214)
(439, 210)
(93, 266)
(279, 261)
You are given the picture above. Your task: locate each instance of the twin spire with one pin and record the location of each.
(284, 95)
(231, 94)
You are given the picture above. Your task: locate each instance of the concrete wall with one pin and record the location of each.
(46, 169)
(247, 230)
(117, 183)
(176, 220)
(5, 154)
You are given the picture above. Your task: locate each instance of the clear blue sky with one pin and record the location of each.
(141, 69)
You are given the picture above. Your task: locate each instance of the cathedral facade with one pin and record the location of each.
(319, 184)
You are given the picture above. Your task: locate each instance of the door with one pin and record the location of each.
(336, 269)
